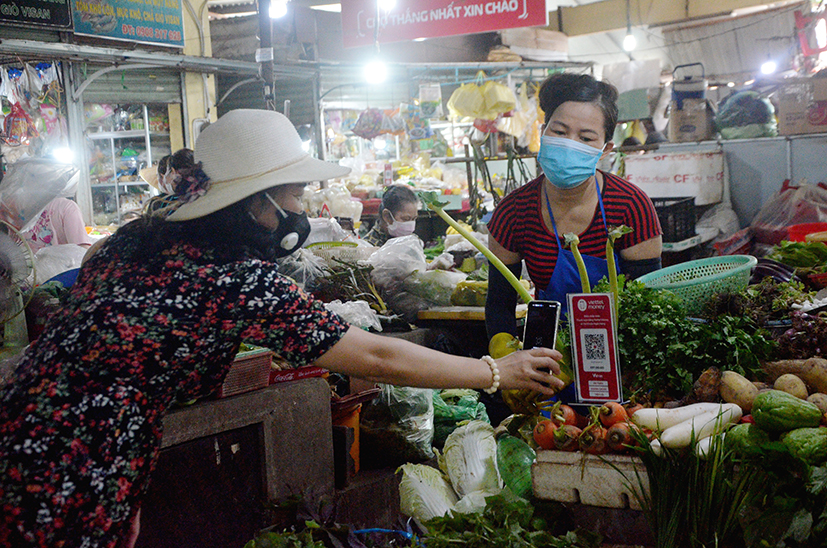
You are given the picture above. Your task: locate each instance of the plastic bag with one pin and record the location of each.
(434, 286)
(397, 259)
(452, 407)
(358, 313)
(791, 205)
(468, 100)
(392, 123)
(397, 427)
(430, 100)
(56, 259)
(498, 99)
(470, 293)
(28, 187)
(369, 124)
(417, 126)
(18, 126)
(303, 267)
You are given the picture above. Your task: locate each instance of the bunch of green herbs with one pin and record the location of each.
(506, 522)
(689, 501)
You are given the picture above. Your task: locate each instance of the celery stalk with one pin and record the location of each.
(614, 234)
(572, 240)
(430, 200)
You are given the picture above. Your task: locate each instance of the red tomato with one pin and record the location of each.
(544, 433)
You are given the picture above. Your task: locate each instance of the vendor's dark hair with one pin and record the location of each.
(230, 232)
(163, 165)
(566, 86)
(395, 197)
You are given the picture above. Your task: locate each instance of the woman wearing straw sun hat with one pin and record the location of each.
(159, 313)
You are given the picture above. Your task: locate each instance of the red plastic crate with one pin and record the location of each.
(250, 371)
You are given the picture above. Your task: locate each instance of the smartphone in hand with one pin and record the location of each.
(541, 324)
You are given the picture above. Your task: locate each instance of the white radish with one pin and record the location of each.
(704, 446)
(661, 419)
(701, 426)
(656, 447)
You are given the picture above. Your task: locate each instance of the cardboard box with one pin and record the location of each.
(537, 44)
(692, 122)
(802, 106)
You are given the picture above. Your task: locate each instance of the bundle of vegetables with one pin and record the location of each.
(787, 445)
(607, 430)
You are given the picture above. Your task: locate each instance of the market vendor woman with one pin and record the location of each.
(158, 314)
(571, 196)
(397, 215)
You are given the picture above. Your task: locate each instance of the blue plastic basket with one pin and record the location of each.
(695, 282)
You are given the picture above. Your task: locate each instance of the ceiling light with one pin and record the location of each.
(629, 42)
(386, 5)
(335, 8)
(375, 72)
(769, 67)
(63, 155)
(419, 39)
(278, 9)
(730, 84)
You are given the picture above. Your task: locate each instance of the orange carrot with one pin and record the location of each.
(593, 440)
(632, 408)
(566, 437)
(619, 436)
(563, 414)
(611, 413)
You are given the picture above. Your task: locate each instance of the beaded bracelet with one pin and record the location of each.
(495, 374)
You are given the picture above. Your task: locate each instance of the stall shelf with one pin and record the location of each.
(120, 188)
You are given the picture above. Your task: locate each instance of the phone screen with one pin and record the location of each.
(541, 324)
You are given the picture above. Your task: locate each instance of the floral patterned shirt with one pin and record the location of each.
(81, 425)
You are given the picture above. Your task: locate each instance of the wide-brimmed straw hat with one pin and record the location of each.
(150, 175)
(247, 151)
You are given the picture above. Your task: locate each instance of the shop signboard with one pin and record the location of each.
(41, 13)
(151, 21)
(673, 175)
(412, 19)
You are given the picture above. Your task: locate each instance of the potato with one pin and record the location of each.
(819, 400)
(812, 371)
(791, 384)
(735, 388)
(762, 385)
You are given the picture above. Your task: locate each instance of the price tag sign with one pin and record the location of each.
(594, 347)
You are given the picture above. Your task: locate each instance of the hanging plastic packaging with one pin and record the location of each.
(430, 100)
(28, 187)
(467, 100)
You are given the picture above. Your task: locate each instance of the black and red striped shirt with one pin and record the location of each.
(517, 225)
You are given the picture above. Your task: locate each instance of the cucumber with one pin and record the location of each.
(777, 411)
(807, 444)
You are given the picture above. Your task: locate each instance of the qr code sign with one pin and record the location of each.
(594, 346)
(595, 350)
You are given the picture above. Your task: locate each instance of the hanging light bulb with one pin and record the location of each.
(278, 9)
(769, 67)
(386, 5)
(375, 72)
(629, 41)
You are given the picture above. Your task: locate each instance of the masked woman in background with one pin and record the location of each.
(397, 215)
(571, 196)
(158, 315)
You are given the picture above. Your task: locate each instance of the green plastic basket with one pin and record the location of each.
(694, 282)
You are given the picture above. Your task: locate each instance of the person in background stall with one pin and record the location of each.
(158, 315)
(397, 215)
(61, 222)
(571, 196)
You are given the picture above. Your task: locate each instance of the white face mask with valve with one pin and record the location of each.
(401, 228)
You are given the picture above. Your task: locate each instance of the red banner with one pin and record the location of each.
(411, 19)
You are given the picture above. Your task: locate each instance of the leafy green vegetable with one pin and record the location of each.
(572, 240)
(424, 492)
(506, 522)
(469, 459)
(811, 255)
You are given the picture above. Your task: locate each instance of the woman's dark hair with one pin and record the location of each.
(566, 86)
(182, 159)
(230, 232)
(395, 197)
(163, 165)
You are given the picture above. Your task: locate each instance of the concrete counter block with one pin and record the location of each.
(605, 481)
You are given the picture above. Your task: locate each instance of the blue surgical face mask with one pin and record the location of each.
(567, 163)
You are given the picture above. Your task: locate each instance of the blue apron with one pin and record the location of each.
(566, 279)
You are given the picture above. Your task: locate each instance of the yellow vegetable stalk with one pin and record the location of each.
(430, 200)
(572, 240)
(614, 234)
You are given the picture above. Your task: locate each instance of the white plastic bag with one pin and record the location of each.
(357, 313)
(397, 259)
(29, 185)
